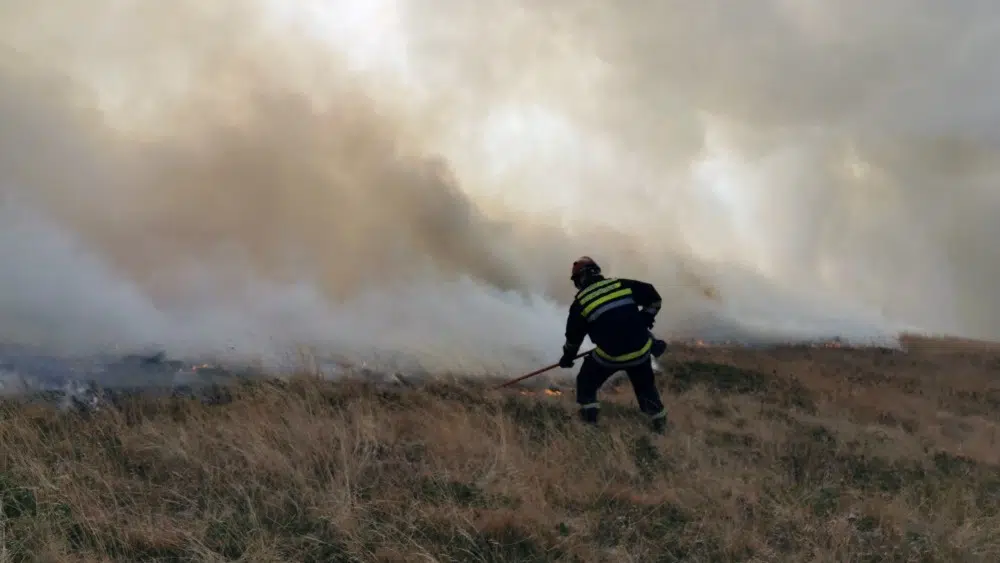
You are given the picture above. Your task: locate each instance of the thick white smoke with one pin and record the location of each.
(222, 179)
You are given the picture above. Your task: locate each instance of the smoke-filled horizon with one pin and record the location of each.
(234, 179)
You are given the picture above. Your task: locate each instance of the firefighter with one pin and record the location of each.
(617, 314)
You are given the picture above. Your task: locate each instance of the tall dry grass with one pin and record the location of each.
(789, 455)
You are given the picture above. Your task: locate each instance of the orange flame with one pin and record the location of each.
(549, 392)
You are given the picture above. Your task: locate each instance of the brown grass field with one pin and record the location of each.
(792, 454)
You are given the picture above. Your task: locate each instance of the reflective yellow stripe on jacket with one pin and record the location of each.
(625, 357)
(586, 294)
(603, 296)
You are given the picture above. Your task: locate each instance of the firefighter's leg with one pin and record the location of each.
(646, 393)
(590, 379)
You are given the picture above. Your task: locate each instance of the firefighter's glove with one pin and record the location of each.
(566, 361)
(659, 348)
(568, 356)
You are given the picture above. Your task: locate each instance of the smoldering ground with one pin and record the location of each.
(219, 180)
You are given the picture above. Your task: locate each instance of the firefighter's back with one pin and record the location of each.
(614, 321)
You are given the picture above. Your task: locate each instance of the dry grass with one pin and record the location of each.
(788, 455)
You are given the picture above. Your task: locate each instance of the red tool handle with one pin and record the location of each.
(539, 371)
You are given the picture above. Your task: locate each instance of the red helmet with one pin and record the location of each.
(584, 267)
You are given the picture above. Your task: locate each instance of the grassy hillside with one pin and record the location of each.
(782, 455)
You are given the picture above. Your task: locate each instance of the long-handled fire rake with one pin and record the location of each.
(540, 371)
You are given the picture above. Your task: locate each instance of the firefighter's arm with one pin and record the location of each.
(645, 295)
(576, 331)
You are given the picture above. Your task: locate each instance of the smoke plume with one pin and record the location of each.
(239, 179)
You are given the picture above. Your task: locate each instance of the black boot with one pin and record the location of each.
(659, 425)
(589, 415)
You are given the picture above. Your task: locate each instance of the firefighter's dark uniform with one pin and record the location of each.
(607, 309)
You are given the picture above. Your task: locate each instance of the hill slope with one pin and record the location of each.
(790, 454)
